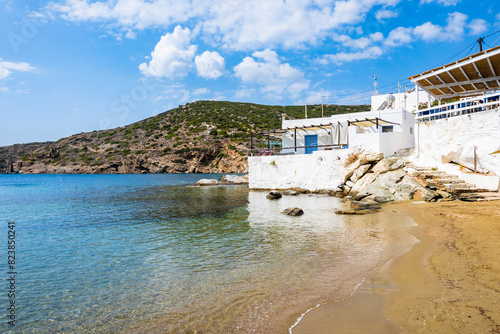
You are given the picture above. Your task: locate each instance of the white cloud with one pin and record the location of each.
(360, 43)
(234, 24)
(210, 65)
(4, 89)
(374, 45)
(343, 57)
(385, 14)
(314, 97)
(477, 26)
(201, 91)
(138, 14)
(175, 93)
(454, 30)
(441, 2)
(244, 92)
(428, 31)
(273, 76)
(172, 56)
(399, 36)
(130, 34)
(6, 68)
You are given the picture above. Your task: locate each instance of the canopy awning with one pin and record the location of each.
(367, 122)
(313, 128)
(472, 75)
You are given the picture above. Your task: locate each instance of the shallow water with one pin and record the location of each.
(148, 253)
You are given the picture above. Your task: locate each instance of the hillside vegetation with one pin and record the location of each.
(199, 137)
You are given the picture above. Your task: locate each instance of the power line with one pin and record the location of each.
(496, 32)
(403, 81)
(473, 45)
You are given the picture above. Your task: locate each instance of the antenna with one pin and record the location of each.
(375, 83)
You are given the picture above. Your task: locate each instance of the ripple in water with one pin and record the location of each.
(147, 254)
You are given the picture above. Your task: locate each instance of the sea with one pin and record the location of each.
(151, 253)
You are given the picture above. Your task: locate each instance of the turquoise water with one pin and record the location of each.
(150, 254)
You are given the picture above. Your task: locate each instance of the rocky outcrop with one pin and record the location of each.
(372, 179)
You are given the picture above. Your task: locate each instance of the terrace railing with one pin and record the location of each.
(292, 149)
(457, 108)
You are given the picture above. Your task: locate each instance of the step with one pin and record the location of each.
(451, 182)
(465, 190)
(480, 197)
(424, 169)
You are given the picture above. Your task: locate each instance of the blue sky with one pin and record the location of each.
(69, 66)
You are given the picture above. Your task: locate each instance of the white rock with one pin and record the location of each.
(358, 173)
(349, 170)
(207, 182)
(374, 156)
(362, 183)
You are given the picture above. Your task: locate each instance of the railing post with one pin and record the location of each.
(295, 139)
(475, 159)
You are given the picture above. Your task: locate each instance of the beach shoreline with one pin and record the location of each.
(448, 281)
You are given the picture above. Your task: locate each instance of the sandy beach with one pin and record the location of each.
(448, 283)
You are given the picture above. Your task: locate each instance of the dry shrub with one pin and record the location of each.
(352, 158)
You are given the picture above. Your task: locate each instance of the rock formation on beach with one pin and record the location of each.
(199, 137)
(370, 179)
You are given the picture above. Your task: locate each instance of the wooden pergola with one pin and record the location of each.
(475, 74)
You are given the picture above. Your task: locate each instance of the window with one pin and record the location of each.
(411, 130)
(387, 128)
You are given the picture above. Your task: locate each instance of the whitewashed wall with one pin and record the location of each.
(320, 170)
(368, 141)
(399, 103)
(454, 139)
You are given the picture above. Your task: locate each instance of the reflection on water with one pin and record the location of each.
(146, 254)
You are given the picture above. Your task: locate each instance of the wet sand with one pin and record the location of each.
(448, 283)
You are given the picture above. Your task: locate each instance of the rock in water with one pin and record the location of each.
(274, 194)
(368, 205)
(354, 212)
(290, 193)
(294, 211)
(207, 182)
(233, 179)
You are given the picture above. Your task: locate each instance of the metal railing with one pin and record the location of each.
(457, 108)
(293, 149)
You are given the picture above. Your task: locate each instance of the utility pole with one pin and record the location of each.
(322, 106)
(480, 40)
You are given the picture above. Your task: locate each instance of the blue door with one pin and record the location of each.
(311, 140)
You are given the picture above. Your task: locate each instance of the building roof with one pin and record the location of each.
(475, 74)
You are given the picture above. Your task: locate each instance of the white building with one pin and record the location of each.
(313, 150)
(466, 132)
(386, 130)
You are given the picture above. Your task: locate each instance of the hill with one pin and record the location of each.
(199, 137)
